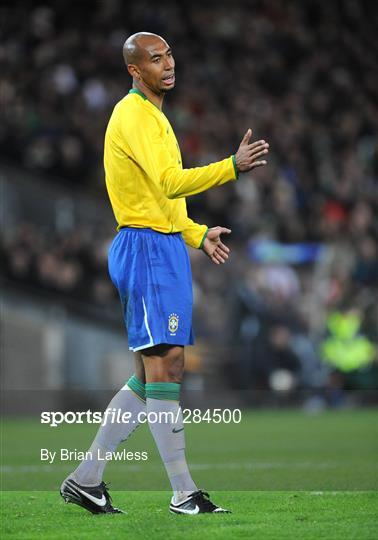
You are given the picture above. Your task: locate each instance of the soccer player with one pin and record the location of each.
(149, 265)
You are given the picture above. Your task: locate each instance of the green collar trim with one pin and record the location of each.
(136, 91)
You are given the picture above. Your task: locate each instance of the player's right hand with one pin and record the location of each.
(248, 155)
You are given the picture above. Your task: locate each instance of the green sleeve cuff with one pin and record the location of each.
(235, 167)
(203, 238)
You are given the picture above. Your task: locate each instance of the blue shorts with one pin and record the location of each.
(152, 273)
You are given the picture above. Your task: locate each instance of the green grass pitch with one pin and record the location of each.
(284, 474)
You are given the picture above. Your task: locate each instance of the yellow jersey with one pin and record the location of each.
(146, 182)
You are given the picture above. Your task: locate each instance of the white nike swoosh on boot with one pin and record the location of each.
(183, 511)
(96, 500)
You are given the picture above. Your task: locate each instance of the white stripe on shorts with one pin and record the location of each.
(150, 344)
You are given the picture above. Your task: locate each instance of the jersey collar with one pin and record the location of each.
(136, 91)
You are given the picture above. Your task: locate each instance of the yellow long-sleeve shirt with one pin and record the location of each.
(145, 180)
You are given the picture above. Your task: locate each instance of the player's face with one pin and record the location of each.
(157, 69)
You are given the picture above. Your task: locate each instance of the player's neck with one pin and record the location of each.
(156, 99)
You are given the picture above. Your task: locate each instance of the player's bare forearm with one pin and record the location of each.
(213, 246)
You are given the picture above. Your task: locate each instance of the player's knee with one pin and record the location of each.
(139, 367)
(175, 370)
(172, 365)
(166, 365)
(139, 373)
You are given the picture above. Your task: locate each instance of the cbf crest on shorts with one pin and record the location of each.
(173, 322)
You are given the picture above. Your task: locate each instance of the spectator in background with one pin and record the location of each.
(314, 98)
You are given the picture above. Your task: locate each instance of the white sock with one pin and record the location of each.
(109, 436)
(170, 440)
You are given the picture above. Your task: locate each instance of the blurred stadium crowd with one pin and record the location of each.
(302, 74)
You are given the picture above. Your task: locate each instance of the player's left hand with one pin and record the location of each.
(214, 247)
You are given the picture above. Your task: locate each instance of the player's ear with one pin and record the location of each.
(134, 71)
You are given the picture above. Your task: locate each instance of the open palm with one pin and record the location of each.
(214, 247)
